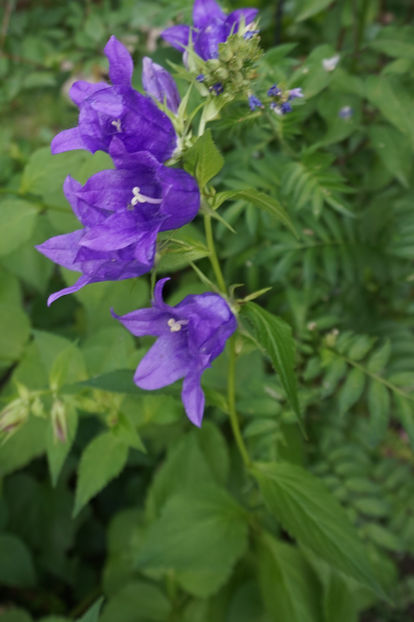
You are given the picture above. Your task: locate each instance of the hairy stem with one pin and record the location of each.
(213, 255)
(231, 397)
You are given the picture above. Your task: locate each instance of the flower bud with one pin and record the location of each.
(59, 423)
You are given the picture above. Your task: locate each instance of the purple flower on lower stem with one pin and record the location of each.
(254, 102)
(106, 111)
(211, 26)
(122, 210)
(190, 336)
(160, 84)
(217, 88)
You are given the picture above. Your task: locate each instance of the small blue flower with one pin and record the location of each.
(274, 91)
(250, 34)
(254, 102)
(345, 112)
(295, 93)
(200, 77)
(217, 88)
(285, 108)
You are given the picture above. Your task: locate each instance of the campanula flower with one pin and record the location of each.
(190, 336)
(211, 26)
(121, 210)
(160, 84)
(107, 111)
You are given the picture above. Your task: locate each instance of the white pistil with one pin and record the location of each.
(117, 125)
(176, 325)
(142, 198)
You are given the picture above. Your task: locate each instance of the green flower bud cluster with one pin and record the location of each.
(230, 75)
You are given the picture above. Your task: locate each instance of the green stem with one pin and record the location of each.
(231, 397)
(213, 255)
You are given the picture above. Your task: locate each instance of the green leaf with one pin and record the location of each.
(200, 535)
(391, 97)
(92, 615)
(310, 8)
(17, 221)
(396, 41)
(27, 443)
(268, 204)
(137, 602)
(16, 565)
(351, 390)
(379, 358)
(275, 337)
(289, 587)
(379, 409)
(203, 160)
(56, 450)
(394, 150)
(309, 513)
(103, 460)
(12, 339)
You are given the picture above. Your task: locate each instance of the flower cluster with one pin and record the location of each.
(123, 209)
(221, 50)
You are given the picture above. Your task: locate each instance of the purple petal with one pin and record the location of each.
(62, 249)
(81, 90)
(120, 62)
(145, 322)
(81, 282)
(111, 236)
(181, 198)
(177, 36)
(235, 18)
(157, 297)
(193, 398)
(67, 140)
(207, 42)
(109, 103)
(159, 83)
(166, 362)
(205, 12)
(87, 214)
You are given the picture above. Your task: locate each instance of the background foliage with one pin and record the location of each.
(136, 506)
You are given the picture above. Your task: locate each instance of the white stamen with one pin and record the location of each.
(117, 125)
(142, 198)
(176, 325)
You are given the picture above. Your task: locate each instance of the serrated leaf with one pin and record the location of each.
(289, 587)
(102, 460)
(395, 41)
(379, 409)
(200, 536)
(379, 358)
(275, 337)
(203, 160)
(351, 390)
(268, 204)
(309, 513)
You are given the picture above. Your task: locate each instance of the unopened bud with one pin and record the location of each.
(59, 423)
(13, 415)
